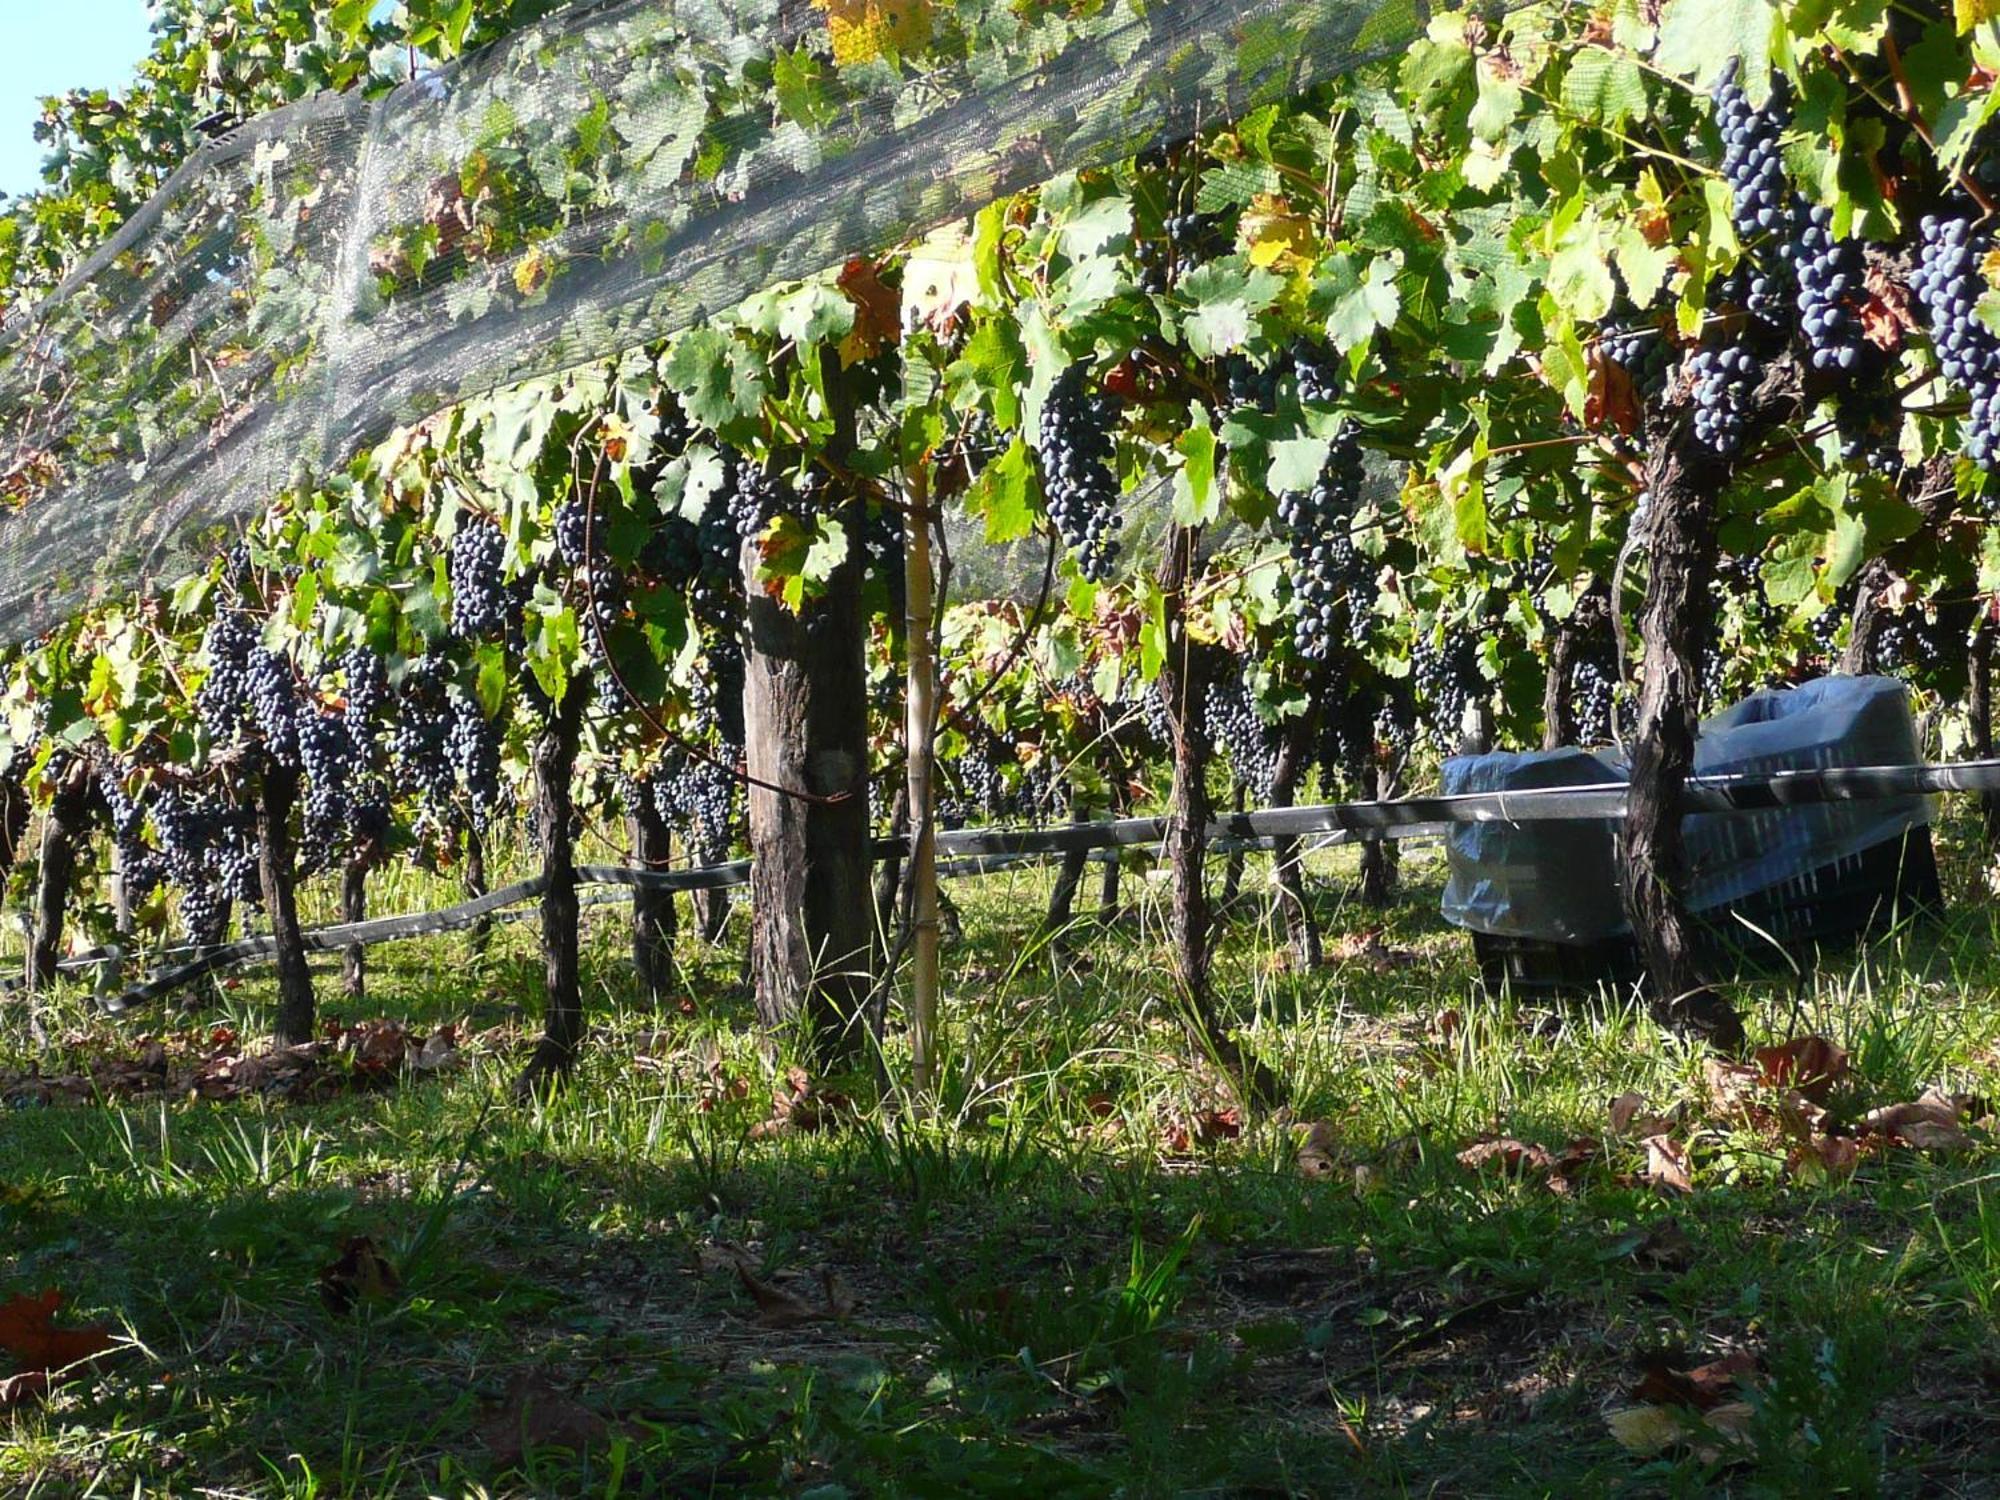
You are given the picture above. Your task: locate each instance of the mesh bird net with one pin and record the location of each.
(602, 180)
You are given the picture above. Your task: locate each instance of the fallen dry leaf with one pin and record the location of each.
(1810, 1065)
(1730, 1085)
(1508, 1154)
(361, 1274)
(47, 1355)
(1667, 1164)
(534, 1414)
(778, 1308)
(1647, 1431)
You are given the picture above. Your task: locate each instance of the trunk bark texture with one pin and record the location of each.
(354, 908)
(805, 712)
(1301, 928)
(481, 932)
(1979, 710)
(277, 873)
(562, 1015)
(1378, 855)
(63, 830)
(654, 922)
(1062, 899)
(1182, 680)
(1232, 866)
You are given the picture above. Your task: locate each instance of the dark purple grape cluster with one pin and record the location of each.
(1345, 745)
(1251, 384)
(274, 705)
(1233, 724)
(1186, 240)
(1868, 419)
(882, 541)
(700, 797)
(1752, 156)
(1447, 678)
(220, 700)
(1593, 689)
(1949, 283)
(1154, 709)
(577, 541)
(418, 740)
(1723, 382)
(327, 755)
(1077, 476)
(365, 686)
(139, 867)
(207, 852)
(1643, 352)
(753, 497)
(1319, 371)
(1331, 580)
(1904, 642)
(481, 603)
(472, 744)
(1830, 274)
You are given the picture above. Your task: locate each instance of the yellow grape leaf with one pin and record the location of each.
(531, 272)
(939, 278)
(863, 30)
(1969, 13)
(1274, 235)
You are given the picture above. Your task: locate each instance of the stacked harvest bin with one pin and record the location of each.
(1771, 887)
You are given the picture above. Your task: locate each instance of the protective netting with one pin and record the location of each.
(601, 180)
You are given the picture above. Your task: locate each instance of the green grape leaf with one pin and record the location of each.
(1197, 497)
(1226, 297)
(1005, 494)
(1364, 303)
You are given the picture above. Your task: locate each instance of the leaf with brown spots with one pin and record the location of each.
(878, 312)
(1610, 399)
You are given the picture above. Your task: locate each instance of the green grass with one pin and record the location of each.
(1049, 1298)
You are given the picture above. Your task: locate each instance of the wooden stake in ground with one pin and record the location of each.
(919, 734)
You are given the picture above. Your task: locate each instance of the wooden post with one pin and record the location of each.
(62, 830)
(919, 727)
(653, 917)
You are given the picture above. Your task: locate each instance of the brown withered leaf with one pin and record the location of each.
(1646, 1431)
(779, 1308)
(1667, 1164)
(798, 1108)
(1730, 1086)
(1885, 310)
(1809, 1065)
(533, 1415)
(1506, 1154)
(878, 312)
(1204, 1128)
(46, 1355)
(1818, 1158)
(1610, 399)
(362, 1273)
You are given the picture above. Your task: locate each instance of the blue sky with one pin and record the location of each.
(47, 46)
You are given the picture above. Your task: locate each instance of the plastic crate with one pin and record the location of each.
(1830, 907)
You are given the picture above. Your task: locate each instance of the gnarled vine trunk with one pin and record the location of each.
(805, 703)
(1184, 675)
(1301, 928)
(63, 830)
(480, 934)
(1979, 711)
(1062, 897)
(554, 762)
(654, 922)
(354, 908)
(277, 874)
